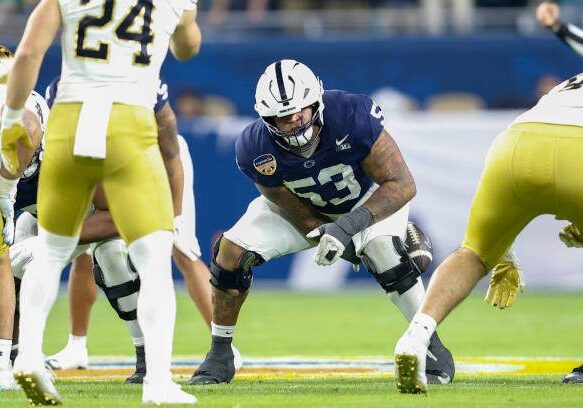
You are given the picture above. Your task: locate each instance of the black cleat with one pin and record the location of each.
(218, 366)
(442, 370)
(575, 376)
(138, 376)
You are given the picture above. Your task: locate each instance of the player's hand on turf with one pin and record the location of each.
(7, 211)
(333, 241)
(12, 134)
(547, 14)
(571, 236)
(505, 284)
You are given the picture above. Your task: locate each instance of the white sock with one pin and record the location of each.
(136, 332)
(77, 342)
(409, 302)
(5, 348)
(38, 291)
(422, 326)
(156, 301)
(222, 331)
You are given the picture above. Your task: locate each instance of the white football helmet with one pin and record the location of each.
(285, 88)
(6, 61)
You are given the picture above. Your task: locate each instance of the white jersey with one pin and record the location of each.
(34, 103)
(115, 48)
(563, 105)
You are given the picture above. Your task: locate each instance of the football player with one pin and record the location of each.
(34, 120)
(548, 15)
(329, 175)
(532, 168)
(114, 272)
(101, 130)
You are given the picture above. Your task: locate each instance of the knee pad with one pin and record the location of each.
(386, 258)
(116, 276)
(239, 279)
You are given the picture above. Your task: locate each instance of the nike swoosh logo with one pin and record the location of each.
(339, 142)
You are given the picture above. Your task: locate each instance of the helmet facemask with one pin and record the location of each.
(300, 138)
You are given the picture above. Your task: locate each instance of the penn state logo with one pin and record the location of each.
(265, 164)
(309, 164)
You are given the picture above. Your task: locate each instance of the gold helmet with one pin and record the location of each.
(6, 60)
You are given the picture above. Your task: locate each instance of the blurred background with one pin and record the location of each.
(449, 74)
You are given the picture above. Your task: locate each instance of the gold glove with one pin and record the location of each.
(505, 284)
(11, 138)
(571, 236)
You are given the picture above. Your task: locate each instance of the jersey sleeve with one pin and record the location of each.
(51, 91)
(161, 95)
(38, 106)
(370, 120)
(261, 168)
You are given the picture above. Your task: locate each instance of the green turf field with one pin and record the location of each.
(344, 325)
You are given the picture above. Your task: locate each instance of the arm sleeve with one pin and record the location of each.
(571, 35)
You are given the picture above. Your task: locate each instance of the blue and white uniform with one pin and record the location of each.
(332, 178)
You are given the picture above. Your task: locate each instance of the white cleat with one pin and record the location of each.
(410, 357)
(7, 382)
(69, 359)
(237, 358)
(167, 393)
(39, 387)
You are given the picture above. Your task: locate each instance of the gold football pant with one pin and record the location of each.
(133, 174)
(531, 169)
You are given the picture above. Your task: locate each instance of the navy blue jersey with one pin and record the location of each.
(332, 178)
(161, 98)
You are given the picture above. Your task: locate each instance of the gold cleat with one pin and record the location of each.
(38, 387)
(406, 367)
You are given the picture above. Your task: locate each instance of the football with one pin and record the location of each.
(419, 247)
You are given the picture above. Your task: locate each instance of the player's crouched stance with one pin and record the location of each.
(338, 183)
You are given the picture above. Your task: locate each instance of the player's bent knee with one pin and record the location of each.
(117, 279)
(387, 259)
(242, 276)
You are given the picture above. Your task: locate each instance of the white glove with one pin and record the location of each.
(7, 198)
(21, 253)
(177, 230)
(329, 250)
(7, 210)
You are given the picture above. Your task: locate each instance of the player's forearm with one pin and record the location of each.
(176, 180)
(97, 227)
(22, 78)
(41, 28)
(390, 197)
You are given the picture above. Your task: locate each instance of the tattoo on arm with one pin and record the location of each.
(297, 211)
(386, 166)
(167, 132)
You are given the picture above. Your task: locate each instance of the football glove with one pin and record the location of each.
(12, 132)
(177, 229)
(506, 282)
(332, 242)
(571, 236)
(7, 198)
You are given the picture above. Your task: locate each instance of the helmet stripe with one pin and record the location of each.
(280, 84)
